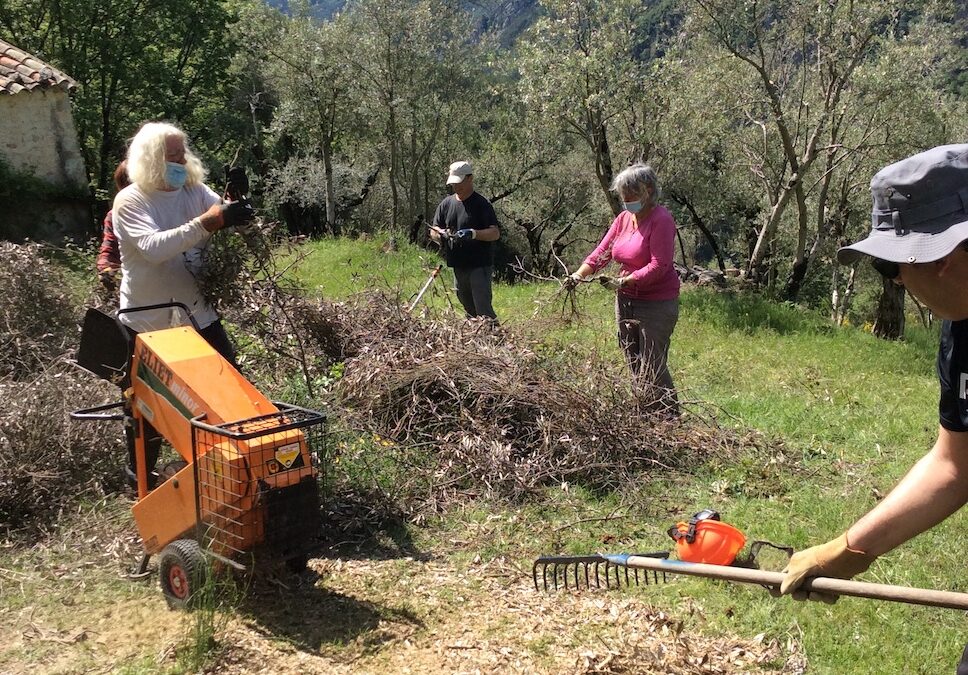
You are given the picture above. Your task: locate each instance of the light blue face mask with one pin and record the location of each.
(175, 175)
(632, 207)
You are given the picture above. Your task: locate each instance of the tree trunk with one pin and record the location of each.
(889, 324)
(331, 223)
(797, 274)
(697, 219)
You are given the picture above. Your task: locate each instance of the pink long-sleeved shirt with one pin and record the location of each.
(645, 251)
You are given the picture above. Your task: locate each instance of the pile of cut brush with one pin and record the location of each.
(46, 461)
(461, 408)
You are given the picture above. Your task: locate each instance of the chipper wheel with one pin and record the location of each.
(181, 569)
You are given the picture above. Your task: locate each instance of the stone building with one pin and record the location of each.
(44, 192)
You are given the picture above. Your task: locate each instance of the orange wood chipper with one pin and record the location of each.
(248, 482)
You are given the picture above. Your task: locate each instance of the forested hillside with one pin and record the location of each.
(764, 121)
(507, 18)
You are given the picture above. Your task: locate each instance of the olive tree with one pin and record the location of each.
(807, 106)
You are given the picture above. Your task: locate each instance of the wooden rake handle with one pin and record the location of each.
(772, 580)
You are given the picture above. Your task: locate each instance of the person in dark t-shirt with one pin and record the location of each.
(920, 240)
(465, 226)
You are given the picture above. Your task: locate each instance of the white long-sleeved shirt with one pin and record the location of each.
(161, 240)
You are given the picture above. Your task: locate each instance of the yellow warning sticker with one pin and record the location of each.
(287, 454)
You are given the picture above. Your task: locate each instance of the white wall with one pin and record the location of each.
(37, 135)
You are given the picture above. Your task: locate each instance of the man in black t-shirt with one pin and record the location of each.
(919, 239)
(465, 226)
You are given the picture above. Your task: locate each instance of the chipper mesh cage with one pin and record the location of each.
(257, 482)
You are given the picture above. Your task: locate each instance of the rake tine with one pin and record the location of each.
(567, 572)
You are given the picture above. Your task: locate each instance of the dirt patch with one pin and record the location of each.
(425, 616)
(402, 615)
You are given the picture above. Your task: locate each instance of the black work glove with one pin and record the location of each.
(236, 183)
(237, 213)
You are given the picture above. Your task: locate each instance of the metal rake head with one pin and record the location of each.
(588, 571)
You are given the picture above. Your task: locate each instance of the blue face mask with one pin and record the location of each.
(175, 174)
(632, 207)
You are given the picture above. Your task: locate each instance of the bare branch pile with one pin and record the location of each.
(466, 409)
(38, 316)
(46, 459)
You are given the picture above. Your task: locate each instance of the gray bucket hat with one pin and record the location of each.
(920, 208)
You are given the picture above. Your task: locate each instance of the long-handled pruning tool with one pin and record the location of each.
(433, 275)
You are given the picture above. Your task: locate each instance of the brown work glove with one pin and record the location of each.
(833, 559)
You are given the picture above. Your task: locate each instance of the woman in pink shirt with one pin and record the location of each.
(641, 239)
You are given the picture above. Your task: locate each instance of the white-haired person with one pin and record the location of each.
(163, 220)
(641, 239)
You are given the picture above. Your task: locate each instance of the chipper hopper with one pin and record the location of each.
(248, 479)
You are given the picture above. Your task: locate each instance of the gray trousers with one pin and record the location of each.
(644, 333)
(474, 290)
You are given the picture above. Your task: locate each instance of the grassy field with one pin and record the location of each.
(853, 411)
(850, 413)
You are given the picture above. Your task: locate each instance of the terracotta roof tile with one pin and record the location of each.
(20, 71)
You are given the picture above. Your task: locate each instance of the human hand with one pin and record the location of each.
(109, 278)
(833, 559)
(572, 280)
(465, 234)
(237, 213)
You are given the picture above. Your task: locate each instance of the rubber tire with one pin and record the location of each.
(297, 564)
(181, 571)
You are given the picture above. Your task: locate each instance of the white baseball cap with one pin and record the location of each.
(458, 172)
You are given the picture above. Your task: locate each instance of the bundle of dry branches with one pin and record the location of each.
(47, 460)
(470, 409)
(38, 317)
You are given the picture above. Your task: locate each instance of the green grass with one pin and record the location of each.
(852, 412)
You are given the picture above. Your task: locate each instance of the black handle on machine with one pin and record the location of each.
(690, 535)
(163, 305)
